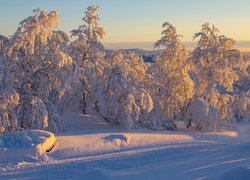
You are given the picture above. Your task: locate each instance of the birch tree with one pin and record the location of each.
(86, 49)
(171, 71)
(41, 70)
(215, 63)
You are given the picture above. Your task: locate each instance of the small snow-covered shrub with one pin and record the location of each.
(169, 125)
(38, 115)
(241, 106)
(204, 116)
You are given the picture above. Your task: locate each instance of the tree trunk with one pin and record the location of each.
(84, 97)
(84, 104)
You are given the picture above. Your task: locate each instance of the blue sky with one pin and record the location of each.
(138, 20)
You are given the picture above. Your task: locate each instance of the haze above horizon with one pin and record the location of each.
(140, 20)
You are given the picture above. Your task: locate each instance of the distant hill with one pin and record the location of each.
(148, 46)
(243, 46)
(148, 56)
(3, 37)
(3, 40)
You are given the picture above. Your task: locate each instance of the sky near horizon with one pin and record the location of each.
(138, 20)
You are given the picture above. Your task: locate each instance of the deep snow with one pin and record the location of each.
(91, 149)
(25, 145)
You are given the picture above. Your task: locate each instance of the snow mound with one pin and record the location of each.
(242, 173)
(26, 143)
(226, 133)
(92, 144)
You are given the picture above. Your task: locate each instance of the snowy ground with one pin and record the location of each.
(91, 149)
(25, 145)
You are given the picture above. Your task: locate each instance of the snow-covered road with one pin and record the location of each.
(191, 162)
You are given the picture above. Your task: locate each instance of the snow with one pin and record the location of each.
(43, 72)
(94, 136)
(234, 173)
(92, 149)
(21, 145)
(107, 143)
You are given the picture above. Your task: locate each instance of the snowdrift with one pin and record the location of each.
(25, 144)
(88, 135)
(85, 145)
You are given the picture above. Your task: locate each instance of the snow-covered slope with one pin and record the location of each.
(91, 149)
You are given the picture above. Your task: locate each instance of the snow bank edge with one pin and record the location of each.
(47, 144)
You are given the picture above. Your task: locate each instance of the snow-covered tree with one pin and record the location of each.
(241, 106)
(85, 51)
(215, 51)
(203, 115)
(42, 70)
(243, 72)
(175, 87)
(215, 63)
(119, 96)
(9, 100)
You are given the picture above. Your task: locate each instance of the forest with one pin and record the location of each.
(44, 71)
